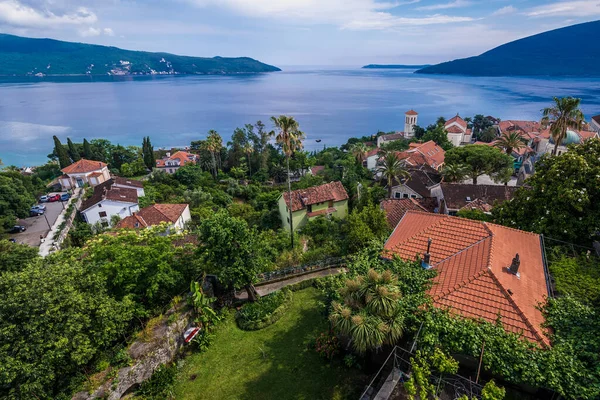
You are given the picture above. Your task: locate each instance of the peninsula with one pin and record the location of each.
(23, 56)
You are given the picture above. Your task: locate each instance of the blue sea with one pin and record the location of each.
(331, 104)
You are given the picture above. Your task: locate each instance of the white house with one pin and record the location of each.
(84, 171)
(458, 131)
(371, 159)
(108, 201)
(171, 163)
(176, 216)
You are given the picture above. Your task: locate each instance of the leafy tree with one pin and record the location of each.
(480, 160)
(477, 215)
(87, 150)
(455, 172)
(232, 250)
(578, 277)
(396, 145)
(364, 226)
(48, 171)
(392, 169)
(563, 201)
(480, 124)
(101, 150)
(15, 198)
(564, 114)
(488, 135)
(73, 151)
(359, 151)
(123, 155)
(15, 257)
(492, 392)
(441, 121)
(290, 139)
(418, 131)
(510, 141)
(439, 136)
(214, 144)
(135, 168)
(148, 153)
(61, 153)
(55, 317)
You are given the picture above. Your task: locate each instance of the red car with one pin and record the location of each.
(54, 197)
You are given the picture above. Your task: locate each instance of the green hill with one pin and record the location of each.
(561, 52)
(26, 56)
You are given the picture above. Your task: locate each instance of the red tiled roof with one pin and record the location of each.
(182, 156)
(153, 215)
(371, 153)
(393, 136)
(411, 112)
(83, 166)
(428, 153)
(525, 126)
(471, 258)
(458, 120)
(128, 182)
(302, 198)
(585, 135)
(396, 208)
(105, 190)
(454, 129)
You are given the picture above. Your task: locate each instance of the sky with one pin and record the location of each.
(297, 32)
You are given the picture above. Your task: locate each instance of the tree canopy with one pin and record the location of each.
(481, 160)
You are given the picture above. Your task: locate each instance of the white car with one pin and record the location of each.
(43, 199)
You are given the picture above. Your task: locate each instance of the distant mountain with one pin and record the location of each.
(46, 57)
(561, 52)
(394, 66)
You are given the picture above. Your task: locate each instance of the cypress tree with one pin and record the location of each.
(61, 153)
(148, 153)
(87, 150)
(73, 152)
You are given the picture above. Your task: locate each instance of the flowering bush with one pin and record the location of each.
(327, 345)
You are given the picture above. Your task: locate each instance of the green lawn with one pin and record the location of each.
(272, 363)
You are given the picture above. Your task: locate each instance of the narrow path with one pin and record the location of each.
(267, 288)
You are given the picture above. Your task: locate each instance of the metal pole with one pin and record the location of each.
(480, 359)
(46, 218)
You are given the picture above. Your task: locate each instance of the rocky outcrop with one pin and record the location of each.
(160, 348)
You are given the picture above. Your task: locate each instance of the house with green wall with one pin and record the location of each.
(330, 199)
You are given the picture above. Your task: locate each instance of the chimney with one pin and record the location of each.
(427, 257)
(168, 154)
(514, 266)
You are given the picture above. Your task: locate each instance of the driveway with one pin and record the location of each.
(37, 226)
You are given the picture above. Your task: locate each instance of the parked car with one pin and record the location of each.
(54, 197)
(40, 206)
(65, 197)
(34, 212)
(43, 199)
(17, 229)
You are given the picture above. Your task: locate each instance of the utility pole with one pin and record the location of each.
(46, 218)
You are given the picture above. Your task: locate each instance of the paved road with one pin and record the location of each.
(271, 287)
(37, 226)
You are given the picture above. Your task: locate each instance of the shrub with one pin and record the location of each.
(327, 345)
(160, 385)
(263, 312)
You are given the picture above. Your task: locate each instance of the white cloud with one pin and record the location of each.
(14, 13)
(108, 32)
(581, 8)
(444, 6)
(504, 11)
(90, 32)
(347, 14)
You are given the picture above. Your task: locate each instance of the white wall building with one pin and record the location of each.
(108, 201)
(410, 120)
(458, 132)
(176, 216)
(84, 172)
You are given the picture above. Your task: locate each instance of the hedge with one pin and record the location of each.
(258, 315)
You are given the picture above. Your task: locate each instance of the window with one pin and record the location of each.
(288, 219)
(413, 196)
(405, 195)
(105, 224)
(309, 208)
(330, 204)
(397, 195)
(102, 214)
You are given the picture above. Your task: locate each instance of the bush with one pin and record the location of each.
(264, 312)
(160, 385)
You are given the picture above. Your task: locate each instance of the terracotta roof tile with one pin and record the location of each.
(458, 120)
(83, 166)
(455, 194)
(153, 215)
(472, 258)
(428, 153)
(585, 135)
(317, 194)
(317, 169)
(411, 112)
(454, 129)
(105, 190)
(128, 182)
(396, 208)
(182, 156)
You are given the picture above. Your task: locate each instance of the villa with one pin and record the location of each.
(462, 196)
(485, 271)
(107, 201)
(423, 182)
(330, 199)
(84, 172)
(171, 163)
(424, 154)
(176, 216)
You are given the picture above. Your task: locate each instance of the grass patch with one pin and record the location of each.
(277, 362)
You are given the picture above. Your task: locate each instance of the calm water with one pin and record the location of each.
(330, 105)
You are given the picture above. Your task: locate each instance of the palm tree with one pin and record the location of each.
(290, 139)
(510, 141)
(214, 144)
(371, 314)
(564, 114)
(359, 151)
(248, 149)
(455, 172)
(392, 168)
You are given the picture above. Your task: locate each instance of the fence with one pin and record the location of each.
(301, 269)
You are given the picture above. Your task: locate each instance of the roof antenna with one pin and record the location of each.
(514, 266)
(427, 257)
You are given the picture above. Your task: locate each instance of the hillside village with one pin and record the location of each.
(467, 250)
